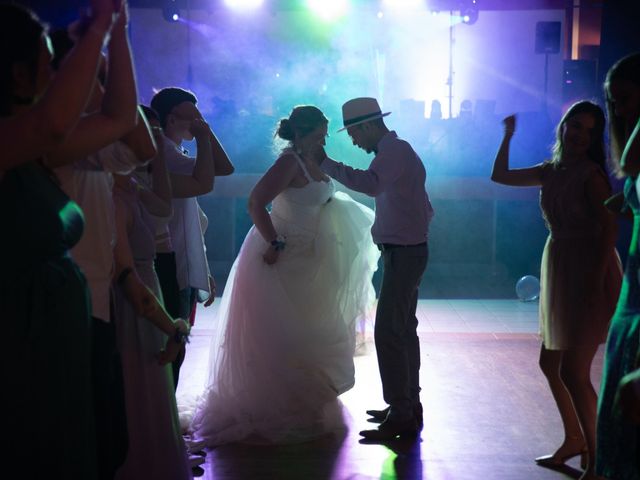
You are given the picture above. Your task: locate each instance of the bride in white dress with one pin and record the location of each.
(285, 342)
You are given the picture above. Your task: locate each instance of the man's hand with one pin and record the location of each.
(200, 129)
(212, 292)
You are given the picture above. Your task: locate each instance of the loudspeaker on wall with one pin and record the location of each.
(548, 37)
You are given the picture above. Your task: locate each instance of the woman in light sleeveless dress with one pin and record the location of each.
(284, 348)
(580, 270)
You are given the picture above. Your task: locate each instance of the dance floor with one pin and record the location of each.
(487, 409)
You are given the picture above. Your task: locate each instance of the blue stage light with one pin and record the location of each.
(170, 11)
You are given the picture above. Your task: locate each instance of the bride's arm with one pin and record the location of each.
(277, 178)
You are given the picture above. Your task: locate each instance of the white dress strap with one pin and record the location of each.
(301, 163)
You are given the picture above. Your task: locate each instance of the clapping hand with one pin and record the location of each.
(100, 15)
(105, 7)
(123, 15)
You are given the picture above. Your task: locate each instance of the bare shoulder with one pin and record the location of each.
(286, 160)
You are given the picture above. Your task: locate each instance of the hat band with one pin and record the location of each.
(359, 119)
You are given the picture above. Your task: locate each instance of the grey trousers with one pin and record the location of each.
(396, 338)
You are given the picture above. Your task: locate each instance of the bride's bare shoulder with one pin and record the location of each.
(286, 159)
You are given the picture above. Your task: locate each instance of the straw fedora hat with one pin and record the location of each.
(360, 110)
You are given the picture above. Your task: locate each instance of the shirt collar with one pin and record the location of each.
(179, 148)
(388, 138)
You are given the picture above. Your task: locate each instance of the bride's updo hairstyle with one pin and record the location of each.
(303, 120)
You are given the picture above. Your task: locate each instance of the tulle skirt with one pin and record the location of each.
(285, 339)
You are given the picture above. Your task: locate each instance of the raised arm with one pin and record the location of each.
(204, 171)
(140, 140)
(223, 165)
(157, 201)
(118, 113)
(45, 126)
(630, 160)
(383, 171)
(518, 177)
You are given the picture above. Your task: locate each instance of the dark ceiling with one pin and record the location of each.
(289, 4)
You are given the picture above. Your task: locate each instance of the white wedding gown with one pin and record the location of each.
(285, 342)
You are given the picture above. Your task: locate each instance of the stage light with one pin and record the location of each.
(170, 11)
(470, 12)
(328, 9)
(244, 4)
(469, 16)
(403, 3)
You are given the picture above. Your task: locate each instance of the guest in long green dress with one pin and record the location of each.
(43, 295)
(618, 442)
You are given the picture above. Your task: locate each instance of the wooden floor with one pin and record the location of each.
(488, 411)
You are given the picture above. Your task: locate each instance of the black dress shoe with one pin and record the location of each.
(390, 429)
(381, 415)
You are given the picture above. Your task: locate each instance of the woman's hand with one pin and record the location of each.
(101, 16)
(170, 352)
(158, 136)
(509, 125)
(173, 348)
(271, 256)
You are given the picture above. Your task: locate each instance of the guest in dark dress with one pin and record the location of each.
(618, 442)
(43, 295)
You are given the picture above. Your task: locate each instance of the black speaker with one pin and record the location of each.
(548, 37)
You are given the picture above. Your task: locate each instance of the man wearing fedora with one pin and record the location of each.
(396, 179)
